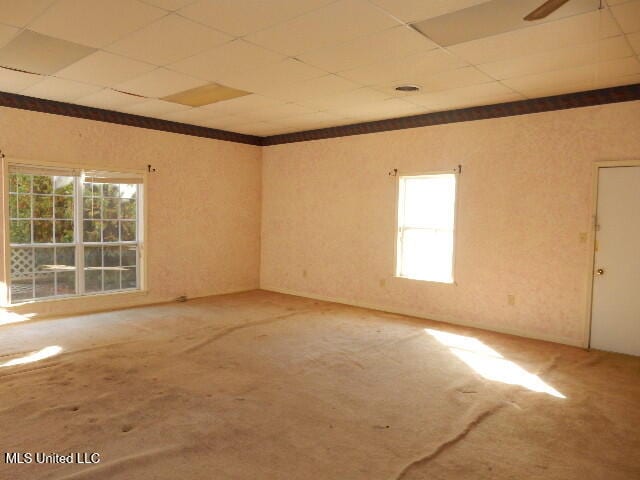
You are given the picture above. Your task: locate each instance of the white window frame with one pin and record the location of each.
(399, 228)
(78, 242)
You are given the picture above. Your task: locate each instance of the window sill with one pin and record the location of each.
(44, 301)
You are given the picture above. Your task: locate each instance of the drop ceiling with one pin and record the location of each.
(283, 66)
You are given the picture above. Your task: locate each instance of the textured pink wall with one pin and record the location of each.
(328, 217)
(204, 202)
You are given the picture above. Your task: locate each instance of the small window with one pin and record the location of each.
(73, 232)
(426, 221)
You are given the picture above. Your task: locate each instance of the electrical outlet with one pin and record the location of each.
(583, 237)
(304, 274)
(511, 299)
(383, 282)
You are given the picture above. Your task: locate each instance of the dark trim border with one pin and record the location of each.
(13, 100)
(535, 105)
(589, 98)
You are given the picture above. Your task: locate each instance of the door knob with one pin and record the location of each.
(600, 271)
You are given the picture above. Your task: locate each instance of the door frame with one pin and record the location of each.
(592, 237)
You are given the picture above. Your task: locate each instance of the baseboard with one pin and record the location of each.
(139, 299)
(412, 313)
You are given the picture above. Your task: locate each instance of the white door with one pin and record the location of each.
(615, 320)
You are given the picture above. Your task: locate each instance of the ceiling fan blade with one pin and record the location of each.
(544, 10)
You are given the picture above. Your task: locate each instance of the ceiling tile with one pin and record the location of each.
(95, 22)
(577, 30)
(493, 18)
(472, 95)
(154, 108)
(240, 18)
(406, 69)
(607, 49)
(7, 33)
(361, 96)
(192, 116)
(628, 16)
(20, 12)
(59, 89)
(390, 108)
(15, 82)
(574, 79)
(169, 5)
(277, 112)
(336, 23)
(262, 79)
(109, 99)
(313, 88)
(233, 57)
(159, 83)
(459, 77)
(634, 40)
(242, 105)
(395, 42)
(168, 40)
(309, 121)
(39, 53)
(221, 122)
(617, 81)
(106, 69)
(256, 128)
(415, 10)
(205, 95)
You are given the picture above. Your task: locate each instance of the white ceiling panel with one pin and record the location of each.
(628, 15)
(241, 18)
(7, 33)
(168, 40)
(257, 128)
(15, 82)
(159, 83)
(313, 88)
(154, 108)
(231, 58)
(95, 23)
(105, 69)
(260, 80)
(405, 70)
(479, 94)
(169, 5)
(361, 96)
(59, 89)
(634, 41)
(562, 33)
(336, 23)
(109, 99)
(311, 121)
(396, 42)
(459, 77)
(389, 108)
(20, 12)
(415, 10)
(574, 56)
(581, 78)
(242, 105)
(278, 112)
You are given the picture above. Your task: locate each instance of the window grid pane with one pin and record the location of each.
(44, 247)
(426, 214)
(110, 236)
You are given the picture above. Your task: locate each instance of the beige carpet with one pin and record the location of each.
(267, 386)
